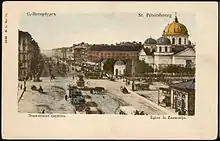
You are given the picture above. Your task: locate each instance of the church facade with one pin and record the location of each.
(174, 47)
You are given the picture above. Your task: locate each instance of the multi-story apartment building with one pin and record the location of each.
(24, 55)
(28, 55)
(100, 52)
(60, 52)
(77, 52)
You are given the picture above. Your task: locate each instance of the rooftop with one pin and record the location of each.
(185, 86)
(114, 48)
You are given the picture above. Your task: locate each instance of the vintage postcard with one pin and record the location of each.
(113, 70)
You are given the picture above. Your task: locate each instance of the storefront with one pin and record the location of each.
(164, 98)
(183, 97)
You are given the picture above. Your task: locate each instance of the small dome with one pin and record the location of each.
(163, 41)
(150, 41)
(119, 62)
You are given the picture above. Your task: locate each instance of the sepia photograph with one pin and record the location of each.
(110, 70)
(147, 68)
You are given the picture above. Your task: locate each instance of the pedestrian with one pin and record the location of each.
(66, 97)
(24, 82)
(136, 112)
(24, 88)
(43, 111)
(40, 89)
(21, 87)
(133, 86)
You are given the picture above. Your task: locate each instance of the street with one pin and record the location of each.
(53, 100)
(132, 99)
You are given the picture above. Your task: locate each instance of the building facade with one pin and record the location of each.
(174, 47)
(183, 97)
(119, 68)
(101, 52)
(29, 56)
(24, 55)
(60, 52)
(180, 97)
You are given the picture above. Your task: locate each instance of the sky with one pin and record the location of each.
(66, 29)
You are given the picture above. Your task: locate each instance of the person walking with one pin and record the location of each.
(66, 97)
(21, 87)
(24, 82)
(24, 88)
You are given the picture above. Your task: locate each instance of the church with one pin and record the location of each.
(174, 47)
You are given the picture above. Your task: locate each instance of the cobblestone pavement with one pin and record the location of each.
(137, 101)
(51, 102)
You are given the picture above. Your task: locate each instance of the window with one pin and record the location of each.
(20, 56)
(23, 56)
(184, 40)
(23, 47)
(173, 41)
(24, 44)
(180, 41)
(160, 49)
(188, 63)
(24, 72)
(165, 49)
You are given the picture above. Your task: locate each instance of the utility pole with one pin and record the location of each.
(133, 73)
(74, 65)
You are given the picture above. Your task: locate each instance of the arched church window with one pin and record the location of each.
(173, 41)
(165, 49)
(184, 40)
(180, 41)
(160, 49)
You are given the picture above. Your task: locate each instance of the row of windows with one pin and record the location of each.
(23, 48)
(160, 49)
(23, 72)
(180, 41)
(23, 57)
(24, 42)
(125, 54)
(24, 65)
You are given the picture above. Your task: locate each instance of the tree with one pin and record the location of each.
(109, 66)
(37, 60)
(178, 69)
(149, 68)
(142, 67)
(172, 69)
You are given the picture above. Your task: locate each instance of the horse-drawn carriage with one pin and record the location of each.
(80, 82)
(98, 90)
(142, 86)
(124, 90)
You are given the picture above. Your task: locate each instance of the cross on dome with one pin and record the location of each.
(176, 19)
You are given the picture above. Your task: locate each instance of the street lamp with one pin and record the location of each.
(158, 97)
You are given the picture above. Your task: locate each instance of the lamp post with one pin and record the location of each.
(158, 102)
(133, 74)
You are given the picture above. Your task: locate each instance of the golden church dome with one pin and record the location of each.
(175, 29)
